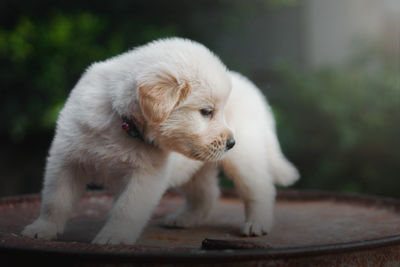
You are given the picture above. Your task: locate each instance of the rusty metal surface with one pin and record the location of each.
(310, 227)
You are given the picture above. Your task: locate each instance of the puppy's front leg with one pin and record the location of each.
(63, 187)
(133, 208)
(256, 188)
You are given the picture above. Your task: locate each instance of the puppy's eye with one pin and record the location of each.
(206, 112)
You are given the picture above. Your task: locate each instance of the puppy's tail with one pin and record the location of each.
(283, 171)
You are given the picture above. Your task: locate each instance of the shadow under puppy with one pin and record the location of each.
(186, 111)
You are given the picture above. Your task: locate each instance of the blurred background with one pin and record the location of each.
(330, 70)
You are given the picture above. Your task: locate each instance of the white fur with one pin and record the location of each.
(182, 149)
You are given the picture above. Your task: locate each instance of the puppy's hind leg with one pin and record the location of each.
(62, 190)
(201, 193)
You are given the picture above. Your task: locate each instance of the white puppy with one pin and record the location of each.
(180, 111)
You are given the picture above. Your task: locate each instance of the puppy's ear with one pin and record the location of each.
(160, 94)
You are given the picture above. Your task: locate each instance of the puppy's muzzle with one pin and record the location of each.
(230, 143)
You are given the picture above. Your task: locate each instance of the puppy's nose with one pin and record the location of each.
(230, 143)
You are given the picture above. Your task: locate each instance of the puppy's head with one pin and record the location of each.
(183, 103)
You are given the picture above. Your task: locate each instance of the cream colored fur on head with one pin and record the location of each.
(190, 111)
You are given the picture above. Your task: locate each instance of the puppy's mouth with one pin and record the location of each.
(206, 157)
(208, 153)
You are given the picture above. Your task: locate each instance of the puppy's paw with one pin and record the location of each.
(115, 236)
(42, 229)
(185, 218)
(256, 227)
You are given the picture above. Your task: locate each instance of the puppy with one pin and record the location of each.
(181, 112)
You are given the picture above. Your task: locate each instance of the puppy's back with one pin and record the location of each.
(251, 119)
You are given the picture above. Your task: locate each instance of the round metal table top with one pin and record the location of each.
(306, 223)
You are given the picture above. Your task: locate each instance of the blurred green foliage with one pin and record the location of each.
(341, 125)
